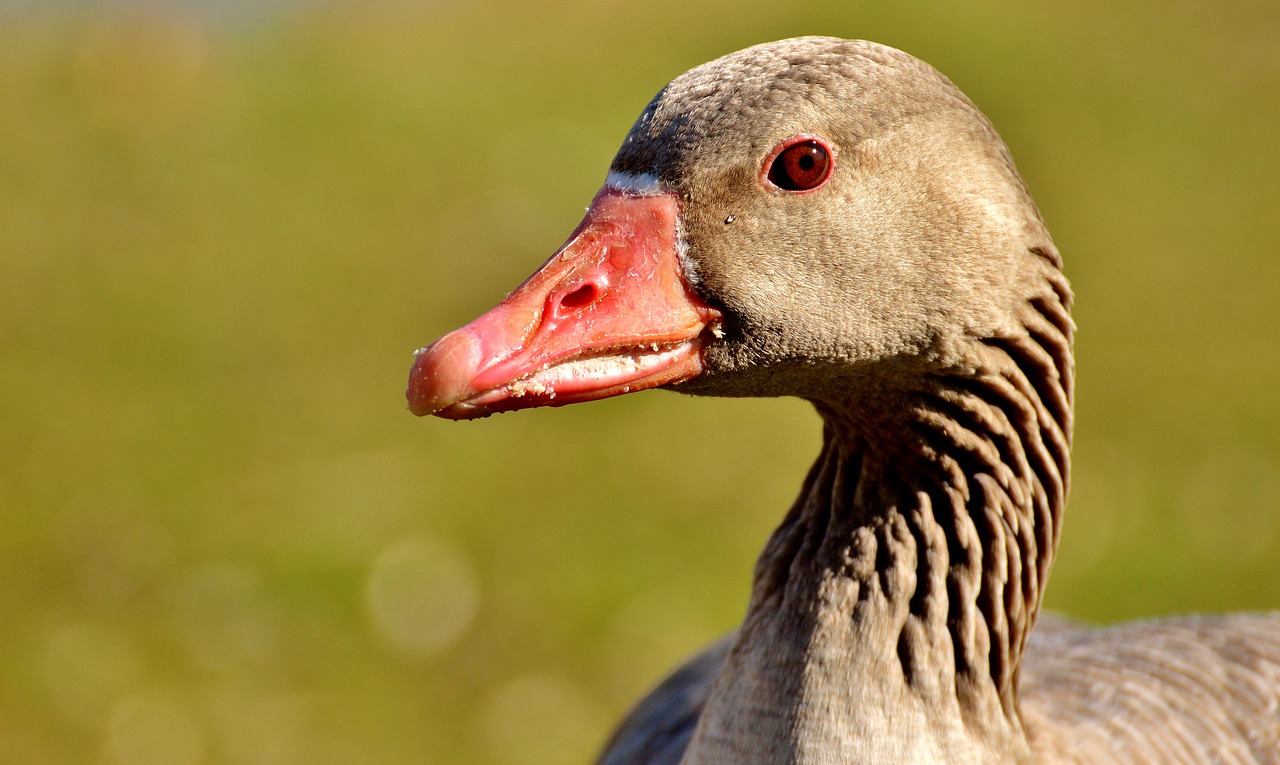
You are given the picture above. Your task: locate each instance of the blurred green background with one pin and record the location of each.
(224, 227)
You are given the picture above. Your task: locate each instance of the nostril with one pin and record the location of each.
(580, 298)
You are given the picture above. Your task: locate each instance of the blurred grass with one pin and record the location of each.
(223, 539)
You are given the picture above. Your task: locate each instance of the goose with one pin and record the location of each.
(835, 220)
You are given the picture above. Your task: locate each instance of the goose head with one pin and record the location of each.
(816, 217)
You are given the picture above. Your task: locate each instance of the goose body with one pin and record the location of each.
(834, 220)
(1158, 692)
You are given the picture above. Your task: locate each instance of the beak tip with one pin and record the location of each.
(418, 408)
(442, 373)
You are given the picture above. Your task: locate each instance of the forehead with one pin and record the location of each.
(750, 99)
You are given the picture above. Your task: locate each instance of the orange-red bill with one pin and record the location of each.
(608, 314)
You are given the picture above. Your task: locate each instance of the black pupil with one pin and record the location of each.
(800, 167)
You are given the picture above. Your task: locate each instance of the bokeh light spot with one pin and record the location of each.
(422, 595)
(154, 728)
(539, 719)
(87, 667)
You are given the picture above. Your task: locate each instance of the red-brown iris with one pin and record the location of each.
(800, 163)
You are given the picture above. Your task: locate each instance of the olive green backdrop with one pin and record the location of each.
(223, 539)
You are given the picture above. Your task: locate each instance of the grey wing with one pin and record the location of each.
(657, 730)
(1158, 692)
(1197, 689)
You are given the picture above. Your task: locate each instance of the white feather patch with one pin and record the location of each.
(687, 264)
(644, 185)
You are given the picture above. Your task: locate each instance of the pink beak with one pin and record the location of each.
(608, 314)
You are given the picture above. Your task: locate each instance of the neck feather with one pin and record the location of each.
(892, 606)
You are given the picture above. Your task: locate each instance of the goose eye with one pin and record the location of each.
(800, 163)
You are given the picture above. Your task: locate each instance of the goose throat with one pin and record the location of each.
(909, 571)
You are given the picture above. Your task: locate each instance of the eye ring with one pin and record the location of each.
(799, 164)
